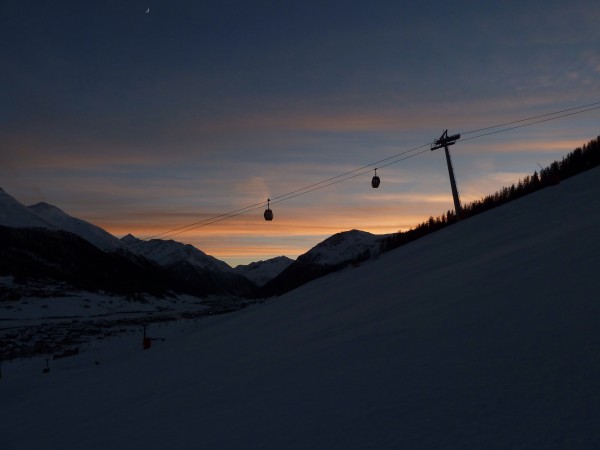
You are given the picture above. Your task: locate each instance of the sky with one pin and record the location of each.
(144, 123)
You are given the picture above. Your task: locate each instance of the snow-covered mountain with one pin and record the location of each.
(169, 252)
(47, 243)
(484, 334)
(38, 254)
(90, 232)
(42, 215)
(261, 272)
(190, 269)
(14, 214)
(328, 256)
(334, 253)
(199, 270)
(342, 248)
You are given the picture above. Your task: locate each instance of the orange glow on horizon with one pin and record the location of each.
(290, 235)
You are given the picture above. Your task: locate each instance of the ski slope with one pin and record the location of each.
(482, 335)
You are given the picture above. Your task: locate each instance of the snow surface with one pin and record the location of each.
(167, 252)
(482, 335)
(67, 304)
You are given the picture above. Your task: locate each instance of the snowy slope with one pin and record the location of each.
(261, 272)
(171, 252)
(482, 335)
(91, 233)
(15, 214)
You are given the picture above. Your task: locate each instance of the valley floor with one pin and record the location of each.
(59, 322)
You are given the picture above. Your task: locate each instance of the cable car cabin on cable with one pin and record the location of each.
(375, 181)
(268, 212)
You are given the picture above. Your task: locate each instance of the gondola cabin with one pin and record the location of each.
(375, 181)
(268, 212)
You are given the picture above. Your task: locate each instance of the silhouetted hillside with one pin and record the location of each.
(195, 281)
(37, 253)
(577, 161)
(61, 256)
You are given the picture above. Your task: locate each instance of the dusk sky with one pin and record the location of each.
(142, 123)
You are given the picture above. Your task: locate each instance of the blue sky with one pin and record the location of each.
(143, 123)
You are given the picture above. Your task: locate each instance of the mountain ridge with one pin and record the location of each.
(193, 265)
(14, 214)
(88, 231)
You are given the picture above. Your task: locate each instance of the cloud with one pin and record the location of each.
(541, 146)
(250, 191)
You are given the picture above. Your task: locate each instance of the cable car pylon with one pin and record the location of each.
(445, 141)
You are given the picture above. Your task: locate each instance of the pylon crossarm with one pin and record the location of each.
(445, 141)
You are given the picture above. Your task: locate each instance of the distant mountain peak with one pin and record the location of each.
(169, 252)
(261, 272)
(47, 208)
(341, 247)
(88, 231)
(44, 205)
(130, 239)
(14, 214)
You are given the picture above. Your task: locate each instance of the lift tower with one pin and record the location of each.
(445, 141)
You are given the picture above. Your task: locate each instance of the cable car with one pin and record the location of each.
(268, 212)
(375, 181)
